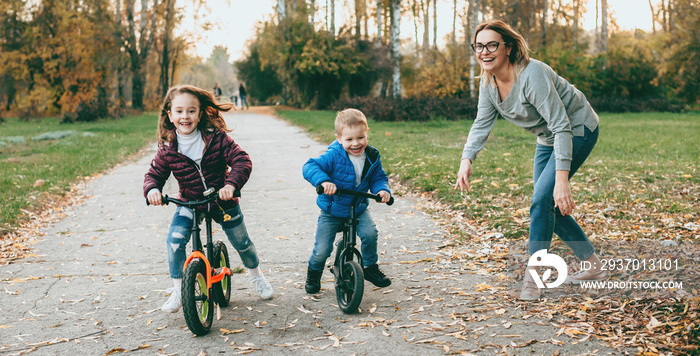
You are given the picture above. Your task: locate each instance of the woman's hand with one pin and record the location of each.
(226, 193)
(154, 197)
(329, 188)
(465, 171)
(562, 194)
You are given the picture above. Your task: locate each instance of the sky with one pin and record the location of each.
(235, 21)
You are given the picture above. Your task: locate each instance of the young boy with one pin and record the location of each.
(349, 163)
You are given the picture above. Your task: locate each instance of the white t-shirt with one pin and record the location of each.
(191, 145)
(359, 163)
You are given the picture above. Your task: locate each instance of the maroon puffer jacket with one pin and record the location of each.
(220, 153)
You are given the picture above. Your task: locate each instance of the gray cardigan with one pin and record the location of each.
(540, 102)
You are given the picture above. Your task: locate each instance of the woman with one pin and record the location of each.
(528, 93)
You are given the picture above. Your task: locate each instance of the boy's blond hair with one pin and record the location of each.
(349, 118)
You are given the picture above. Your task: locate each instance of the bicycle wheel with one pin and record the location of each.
(221, 290)
(350, 287)
(196, 304)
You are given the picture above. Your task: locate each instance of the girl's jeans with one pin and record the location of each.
(181, 230)
(545, 219)
(326, 230)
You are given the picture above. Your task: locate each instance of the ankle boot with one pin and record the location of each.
(313, 281)
(530, 290)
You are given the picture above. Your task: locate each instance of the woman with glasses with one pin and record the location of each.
(529, 94)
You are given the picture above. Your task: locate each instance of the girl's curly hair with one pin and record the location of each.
(210, 108)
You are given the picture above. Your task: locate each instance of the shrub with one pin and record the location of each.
(618, 104)
(411, 109)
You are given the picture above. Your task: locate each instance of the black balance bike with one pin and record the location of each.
(207, 279)
(349, 277)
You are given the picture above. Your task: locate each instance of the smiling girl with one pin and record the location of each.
(529, 94)
(194, 147)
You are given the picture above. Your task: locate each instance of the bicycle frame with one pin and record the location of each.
(197, 248)
(349, 240)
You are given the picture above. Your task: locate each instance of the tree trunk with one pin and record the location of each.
(281, 10)
(472, 23)
(138, 50)
(395, 49)
(312, 11)
(596, 36)
(333, 17)
(604, 26)
(380, 22)
(653, 18)
(544, 22)
(165, 57)
(435, 24)
(575, 27)
(358, 18)
(416, 15)
(425, 6)
(454, 22)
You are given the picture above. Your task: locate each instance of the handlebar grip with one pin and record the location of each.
(391, 201)
(319, 189)
(163, 197)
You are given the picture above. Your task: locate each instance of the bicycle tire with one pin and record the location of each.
(350, 287)
(221, 290)
(196, 304)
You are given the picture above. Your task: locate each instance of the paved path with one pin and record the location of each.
(100, 276)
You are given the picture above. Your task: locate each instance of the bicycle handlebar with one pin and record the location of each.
(376, 197)
(191, 204)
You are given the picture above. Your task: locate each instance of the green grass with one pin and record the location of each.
(59, 163)
(645, 166)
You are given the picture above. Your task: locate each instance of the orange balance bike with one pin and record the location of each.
(207, 279)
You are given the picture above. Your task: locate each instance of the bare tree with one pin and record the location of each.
(575, 26)
(435, 24)
(281, 9)
(395, 48)
(545, 6)
(653, 17)
(138, 50)
(469, 30)
(312, 11)
(604, 26)
(165, 79)
(416, 16)
(380, 22)
(333, 17)
(454, 22)
(359, 4)
(425, 7)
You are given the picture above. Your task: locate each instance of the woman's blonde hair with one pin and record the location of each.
(518, 57)
(349, 118)
(208, 106)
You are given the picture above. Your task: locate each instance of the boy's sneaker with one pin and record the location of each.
(313, 281)
(376, 277)
(174, 302)
(262, 286)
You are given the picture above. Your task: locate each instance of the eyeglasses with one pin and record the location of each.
(490, 47)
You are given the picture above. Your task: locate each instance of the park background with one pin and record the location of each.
(91, 74)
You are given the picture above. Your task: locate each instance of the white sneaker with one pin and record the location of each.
(262, 286)
(174, 302)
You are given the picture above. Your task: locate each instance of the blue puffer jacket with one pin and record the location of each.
(334, 166)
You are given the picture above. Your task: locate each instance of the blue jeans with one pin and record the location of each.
(326, 230)
(545, 219)
(181, 231)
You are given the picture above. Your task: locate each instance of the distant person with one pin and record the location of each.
(349, 163)
(243, 95)
(194, 147)
(529, 94)
(217, 92)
